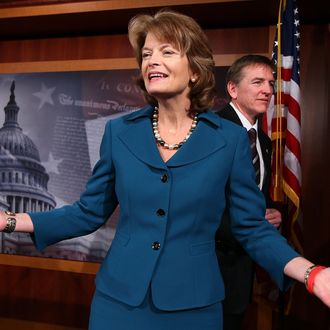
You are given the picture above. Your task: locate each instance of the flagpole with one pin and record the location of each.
(277, 189)
(277, 193)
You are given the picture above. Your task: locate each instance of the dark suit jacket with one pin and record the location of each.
(265, 144)
(232, 257)
(169, 212)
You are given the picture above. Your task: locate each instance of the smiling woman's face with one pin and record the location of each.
(165, 70)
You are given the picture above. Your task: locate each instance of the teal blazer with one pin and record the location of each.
(169, 212)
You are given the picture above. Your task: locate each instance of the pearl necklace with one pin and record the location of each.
(161, 142)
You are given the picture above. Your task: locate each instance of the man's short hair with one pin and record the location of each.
(234, 73)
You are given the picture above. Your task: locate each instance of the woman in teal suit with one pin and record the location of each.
(172, 167)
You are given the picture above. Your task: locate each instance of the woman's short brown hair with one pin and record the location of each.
(184, 33)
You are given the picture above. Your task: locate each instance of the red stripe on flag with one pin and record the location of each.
(293, 144)
(286, 74)
(278, 125)
(291, 103)
(294, 108)
(292, 180)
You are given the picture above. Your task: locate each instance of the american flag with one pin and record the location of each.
(283, 121)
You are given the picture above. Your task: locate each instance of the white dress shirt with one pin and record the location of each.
(248, 126)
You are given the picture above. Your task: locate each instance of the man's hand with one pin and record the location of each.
(274, 217)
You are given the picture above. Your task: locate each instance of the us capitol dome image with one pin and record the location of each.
(25, 186)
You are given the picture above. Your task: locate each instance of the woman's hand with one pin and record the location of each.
(23, 222)
(321, 287)
(297, 268)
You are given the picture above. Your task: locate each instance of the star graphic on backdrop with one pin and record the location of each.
(51, 165)
(45, 95)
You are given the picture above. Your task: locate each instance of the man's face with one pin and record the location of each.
(253, 93)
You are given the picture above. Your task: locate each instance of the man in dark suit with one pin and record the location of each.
(250, 83)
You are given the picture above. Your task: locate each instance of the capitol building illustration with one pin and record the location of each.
(24, 188)
(23, 179)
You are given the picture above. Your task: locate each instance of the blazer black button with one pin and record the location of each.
(160, 212)
(164, 178)
(155, 246)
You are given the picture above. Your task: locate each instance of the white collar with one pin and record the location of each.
(244, 120)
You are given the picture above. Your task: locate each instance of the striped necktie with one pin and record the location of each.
(255, 156)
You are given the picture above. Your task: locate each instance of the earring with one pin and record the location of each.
(193, 80)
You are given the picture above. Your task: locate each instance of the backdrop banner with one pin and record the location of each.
(52, 127)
